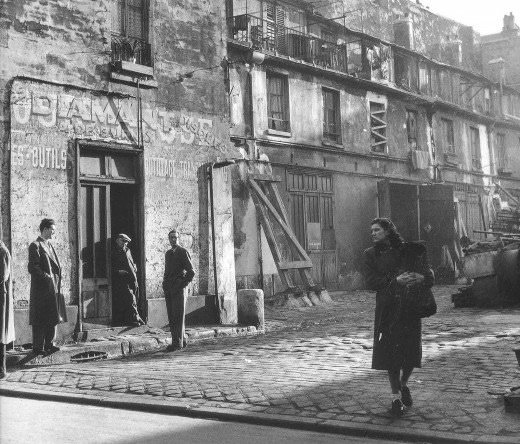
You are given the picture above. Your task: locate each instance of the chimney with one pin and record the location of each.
(403, 32)
(509, 23)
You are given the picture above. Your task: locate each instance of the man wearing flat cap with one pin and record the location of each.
(125, 289)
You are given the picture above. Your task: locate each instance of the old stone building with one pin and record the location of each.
(114, 114)
(364, 109)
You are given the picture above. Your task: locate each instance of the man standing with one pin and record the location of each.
(46, 305)
(125, 286)
(178, 273)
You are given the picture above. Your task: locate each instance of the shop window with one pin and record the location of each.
(448, 136)
(475, 148)
(331, 115)
(130, 32)
(378, 139)
(278, 102)
(311, 210)
(411, 129)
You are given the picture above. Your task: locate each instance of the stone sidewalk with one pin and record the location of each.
(312, 370)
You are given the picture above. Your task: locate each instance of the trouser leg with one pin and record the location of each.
(177, 323)
(3, 368)
(49, 336)
(38, 338)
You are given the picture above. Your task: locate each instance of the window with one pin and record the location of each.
(277, 102)
(311, 210)
(475, 148)
(378, 140)
(500, 141)
(411, 129)
(448, 136)
(424, 78)
(331, 115)
(130, 32)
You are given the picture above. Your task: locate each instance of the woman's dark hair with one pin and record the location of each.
(46, 223)
(386, 224)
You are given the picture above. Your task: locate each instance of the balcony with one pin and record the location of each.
(132, 55)
(268, 36)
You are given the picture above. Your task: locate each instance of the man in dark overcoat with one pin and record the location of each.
(6, 306)
(46, 305)
(125, 288)
(178, 273)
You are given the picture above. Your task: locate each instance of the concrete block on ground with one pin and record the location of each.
(64, 332)
(251, 307)
(479, 264)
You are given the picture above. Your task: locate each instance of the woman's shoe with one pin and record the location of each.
(406, 396)
(397, 408)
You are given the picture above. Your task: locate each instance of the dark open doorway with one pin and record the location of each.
(124, 219)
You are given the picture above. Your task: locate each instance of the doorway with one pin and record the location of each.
(107, 205)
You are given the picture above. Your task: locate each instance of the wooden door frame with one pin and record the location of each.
(139, 182)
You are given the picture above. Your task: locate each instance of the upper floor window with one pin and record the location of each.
(378, 140)
(475, 148)
(448, 136)
(130, 31)
(411, 129)
(278, 102)
(331, 115)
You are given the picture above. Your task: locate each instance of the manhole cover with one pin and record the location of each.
(88, 356)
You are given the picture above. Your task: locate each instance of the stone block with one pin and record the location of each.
(314, 298)
(251, 307)
(325, 297)
(23, 330)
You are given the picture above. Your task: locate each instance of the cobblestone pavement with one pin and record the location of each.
(313, 364)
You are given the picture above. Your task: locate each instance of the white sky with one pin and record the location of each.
(484, 15)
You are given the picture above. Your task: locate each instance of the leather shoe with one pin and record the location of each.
(397, 408)
(406, 396)
(52, 349)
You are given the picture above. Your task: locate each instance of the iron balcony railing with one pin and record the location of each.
(269, 36)
(125, 49)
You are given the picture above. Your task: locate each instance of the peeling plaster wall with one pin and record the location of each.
(185, 124)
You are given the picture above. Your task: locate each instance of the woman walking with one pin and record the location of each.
(397, 332)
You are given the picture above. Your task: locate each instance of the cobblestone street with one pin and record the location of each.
(313, 366)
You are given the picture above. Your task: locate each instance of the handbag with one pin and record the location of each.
(419, 302)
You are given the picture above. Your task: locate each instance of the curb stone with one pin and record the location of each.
(192, 409)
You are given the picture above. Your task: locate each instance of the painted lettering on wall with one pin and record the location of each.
(110, 118)
(39, 156)
(162, 167)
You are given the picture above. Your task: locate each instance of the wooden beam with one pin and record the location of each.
(265, 177)
(279, 219)
(295, 265)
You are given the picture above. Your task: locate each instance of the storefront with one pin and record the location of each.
(103, 163)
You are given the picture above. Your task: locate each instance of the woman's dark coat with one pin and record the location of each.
(6, 297)
(46, 305)
(397, 334)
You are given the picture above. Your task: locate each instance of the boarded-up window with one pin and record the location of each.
(311, 210)
(411, 129)
(501, 150)
(331, 115)
(475, 148)
(277, 102)
(378, 140)
(448, 136)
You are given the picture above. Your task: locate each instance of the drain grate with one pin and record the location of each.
(89, 356)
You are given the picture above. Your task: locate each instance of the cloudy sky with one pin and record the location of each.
(484, 15)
